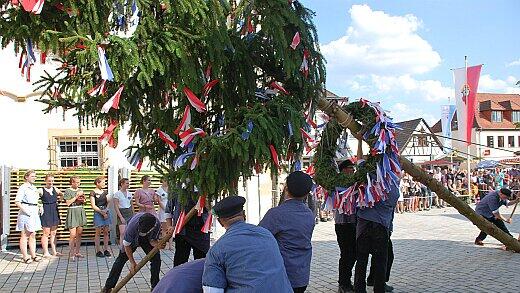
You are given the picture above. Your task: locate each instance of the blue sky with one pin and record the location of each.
(401, 52)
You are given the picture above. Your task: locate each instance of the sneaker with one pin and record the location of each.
(479, 242)
(100, 254)
(107, 253)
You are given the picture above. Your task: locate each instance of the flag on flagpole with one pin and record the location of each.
(447, 113)
(466, 86)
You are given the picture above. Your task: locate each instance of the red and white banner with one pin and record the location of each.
(180, 223)
(167, 139)
(113, 102)
(466, 86)
(207, 224)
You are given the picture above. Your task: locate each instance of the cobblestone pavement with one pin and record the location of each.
(434, 252)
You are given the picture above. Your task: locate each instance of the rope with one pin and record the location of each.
(460, 140)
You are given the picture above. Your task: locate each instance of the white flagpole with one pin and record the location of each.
(468, 175)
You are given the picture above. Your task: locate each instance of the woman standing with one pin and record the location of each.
(123, 207)
(145, 197)
(99, 203)
(164, 217)
(76, 217)
(50, 218)
(28, 221)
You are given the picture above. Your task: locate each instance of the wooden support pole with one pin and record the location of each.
(346, 120)
(514, 209)
(149, 256)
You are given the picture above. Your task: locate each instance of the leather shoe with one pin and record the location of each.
(479, 242)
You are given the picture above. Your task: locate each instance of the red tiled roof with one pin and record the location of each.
(489, 102)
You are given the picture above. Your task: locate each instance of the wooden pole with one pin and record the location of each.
(346, 120)
(149, 256)
(514, 209)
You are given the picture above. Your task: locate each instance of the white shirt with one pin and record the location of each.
(163, 196)
(27, 193)
(125, 200)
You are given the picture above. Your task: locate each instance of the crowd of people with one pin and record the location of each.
(274, 256)
(38, 210)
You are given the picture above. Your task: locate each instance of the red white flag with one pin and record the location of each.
(200, 205)
(466, 86)
(207, 225)
(185, 122)
(113, 102)
(295, 41)
(108, 134)
(180, 223)
(194, 101)
(167, 139)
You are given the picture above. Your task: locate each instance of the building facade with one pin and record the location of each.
(495, 135)
(417, 142)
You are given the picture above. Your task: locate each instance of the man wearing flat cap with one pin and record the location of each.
(246, 258)
(488, 207)
(292, 224)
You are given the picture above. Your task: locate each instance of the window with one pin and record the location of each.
(515, 116)
(496, 116)
(500, 141)
(511, 141)
(490, 141)
(73, 152)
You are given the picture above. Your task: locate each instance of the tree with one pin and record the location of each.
(250, 71)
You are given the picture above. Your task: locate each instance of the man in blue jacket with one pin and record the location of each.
(292, 224)
(246, 258)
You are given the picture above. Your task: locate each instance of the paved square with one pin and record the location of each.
(434, 252)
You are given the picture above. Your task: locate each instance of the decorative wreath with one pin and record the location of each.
(373, 179)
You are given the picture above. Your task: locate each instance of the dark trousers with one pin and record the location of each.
(389, 262)
(183, 249)
(346, 236)
(122, 258)
(299, 289)
(499, 223)
(372, 240)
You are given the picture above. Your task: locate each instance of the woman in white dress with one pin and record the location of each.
(28, 221)
(164, 217)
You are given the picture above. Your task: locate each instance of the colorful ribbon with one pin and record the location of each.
(295, 41)
(245, 135)
(167, 139)
(113, 102)
(276, 86)
(274, 155)
(194, 101)
(207, 224)
(104, 67)
(185, 122)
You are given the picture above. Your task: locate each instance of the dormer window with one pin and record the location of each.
(515, 116)
(496, 116)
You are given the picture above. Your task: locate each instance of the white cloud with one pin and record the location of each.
(421, 90)
(379, 43)
(403, 112)
(488, 84)
(513, 63)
